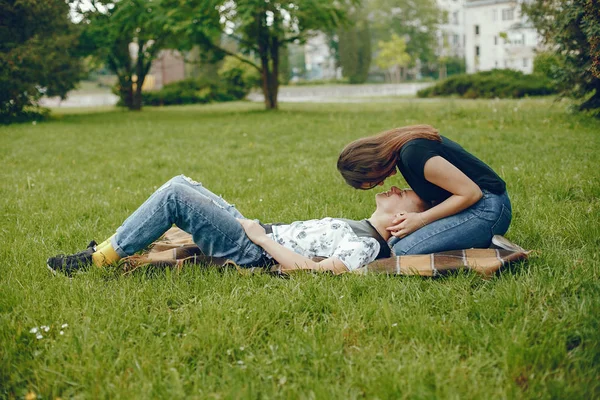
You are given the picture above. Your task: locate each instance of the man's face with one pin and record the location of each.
(396, 200)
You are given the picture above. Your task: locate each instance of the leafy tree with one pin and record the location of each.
(547, 64)
(416, 21)
(393, 57)
(571, 29)
(261, 28)
(354, 49)
(36, 57)
(127, 36)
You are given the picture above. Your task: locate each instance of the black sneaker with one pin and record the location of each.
(72, 263)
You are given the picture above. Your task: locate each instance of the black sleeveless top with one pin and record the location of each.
(414, 154)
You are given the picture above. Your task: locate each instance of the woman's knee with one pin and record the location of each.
(445, 235)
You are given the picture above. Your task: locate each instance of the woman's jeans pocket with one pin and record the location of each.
(503, 222)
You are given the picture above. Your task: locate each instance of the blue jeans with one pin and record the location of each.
(473, 227)
(207, 217)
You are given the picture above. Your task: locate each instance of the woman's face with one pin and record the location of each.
(371, 185)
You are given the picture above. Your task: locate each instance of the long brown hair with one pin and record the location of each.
(373, 158)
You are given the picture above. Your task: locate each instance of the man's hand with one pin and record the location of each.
(406, 223)
(254, 230)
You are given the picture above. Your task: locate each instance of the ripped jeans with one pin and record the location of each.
(207, 217)
(473, 227)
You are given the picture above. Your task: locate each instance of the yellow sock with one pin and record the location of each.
(105, 255)
(107, 241)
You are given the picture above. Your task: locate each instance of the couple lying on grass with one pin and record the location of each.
(456, 202)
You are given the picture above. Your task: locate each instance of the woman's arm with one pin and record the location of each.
(442, 173)
(288, 260)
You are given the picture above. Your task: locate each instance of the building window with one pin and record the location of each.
(494, 15)
(477, 29)
(477, 51)
(508, 14)
(456, 40)
(496, 40)
(525, 62)
(455, 18)
(496, 64)
(519, 40)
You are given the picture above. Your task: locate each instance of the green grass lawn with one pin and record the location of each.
(532, 332)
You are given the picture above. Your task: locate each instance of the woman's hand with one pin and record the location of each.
(254, 230)
(406, 223)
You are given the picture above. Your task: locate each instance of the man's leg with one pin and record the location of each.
(187, 204)
(209, 219)
(197, 186)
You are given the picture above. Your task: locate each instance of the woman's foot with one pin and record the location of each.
(500, 242)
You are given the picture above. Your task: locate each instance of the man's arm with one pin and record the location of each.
(289, 260)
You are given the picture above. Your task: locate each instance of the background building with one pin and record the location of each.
(168, 66)
(498, 36)
(319, 59)
(451, 34)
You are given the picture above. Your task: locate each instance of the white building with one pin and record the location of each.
(451, 34)
(498, 36)
(319, 59)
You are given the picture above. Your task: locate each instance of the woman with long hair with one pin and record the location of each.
(468, 200)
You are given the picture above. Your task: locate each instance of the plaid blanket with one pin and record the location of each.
(176, 248)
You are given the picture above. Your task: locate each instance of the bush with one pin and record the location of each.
(239, 76)
(235, 81)
(454, 66)
(503, 83)
(547, 64)
(192, 91)
(187, 91)
(26, 114)
(37, 57)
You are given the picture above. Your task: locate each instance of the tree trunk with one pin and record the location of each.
(268, 73)
(140, 73)
(274, 78)
(593, 103)
(126, 93)
(136, 104)
(121, 68)
(270, 97)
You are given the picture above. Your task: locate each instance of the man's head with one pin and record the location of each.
(397, 200)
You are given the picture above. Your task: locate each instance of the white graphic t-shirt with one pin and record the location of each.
(327, 237)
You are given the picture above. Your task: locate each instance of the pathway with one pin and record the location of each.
(287, 94)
